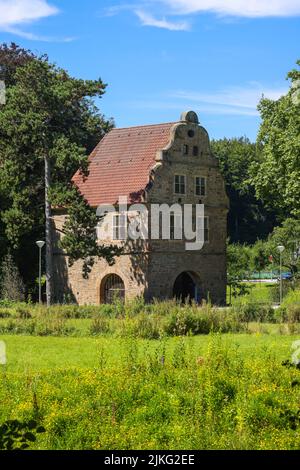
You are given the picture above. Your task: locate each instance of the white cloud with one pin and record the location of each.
(242, 8)
(149, 11)
(235, 100)
(149, 20)
(15, 13)
(231, 100)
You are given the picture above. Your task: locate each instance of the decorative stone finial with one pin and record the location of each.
(189, 116)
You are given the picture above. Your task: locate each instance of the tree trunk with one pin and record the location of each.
(49, 249)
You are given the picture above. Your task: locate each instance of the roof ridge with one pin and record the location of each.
(143, 125)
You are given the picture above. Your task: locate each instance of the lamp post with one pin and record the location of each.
(280, 248)
(40, 244)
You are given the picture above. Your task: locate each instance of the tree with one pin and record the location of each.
(248, 220)
(49, 122)
(12, 286)
(288, 235)
(260, 256)
(276, 176)
(79, 235)
(12, 57)
(238, 260)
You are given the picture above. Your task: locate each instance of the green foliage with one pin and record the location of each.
(290, 308)
(260, 254)
(238, 262)
(15, 435)
(249, 310)
(48, 114)
(248, 219)
(213, 392)
(79, 235)
(11, 284)
(137, 320)
(288, 235)
(276, 176)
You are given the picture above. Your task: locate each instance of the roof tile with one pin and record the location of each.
(120, 164)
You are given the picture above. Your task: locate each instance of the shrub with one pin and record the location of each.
(289, 310)
(15, 435)
(248, 311)
(99, 325)
(200, 320)
(146, 326)
(23, 313)
(12, 285)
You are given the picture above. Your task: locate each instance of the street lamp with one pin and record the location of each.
(281, 249)
(40, 244)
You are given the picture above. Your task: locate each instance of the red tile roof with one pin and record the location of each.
(120, 164)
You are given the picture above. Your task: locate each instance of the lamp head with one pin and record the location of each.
(281, 248)
(40, 244)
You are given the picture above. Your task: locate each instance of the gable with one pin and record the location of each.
(120, 164)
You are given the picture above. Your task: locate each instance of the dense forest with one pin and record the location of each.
(50, 117)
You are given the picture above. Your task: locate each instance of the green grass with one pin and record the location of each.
(261, 292)
(226, 391)
(26, 353)
(97, 377)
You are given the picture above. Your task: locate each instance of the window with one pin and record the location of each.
(200, 186)
(119, 227)
(191, 133)
(205, 227)
(175, 226)
(185, 149)
(195, 151)
(179, 184)
(202, 224)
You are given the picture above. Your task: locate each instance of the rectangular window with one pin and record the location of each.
(179, 184)
(119, 226)
(200, 186)
(203, 223)
(185, 149)
(175, 227)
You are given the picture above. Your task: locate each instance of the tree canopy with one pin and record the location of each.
(276, 175)
(46, 112)
(248, 219)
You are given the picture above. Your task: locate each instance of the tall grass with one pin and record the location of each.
(132, 319)
(161, 398)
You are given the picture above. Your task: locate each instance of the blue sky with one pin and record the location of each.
(160, 57)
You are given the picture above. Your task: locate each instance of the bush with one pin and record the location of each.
(145, 326)
(289, 310)
(200, 320)
(248, 311)
(12, 285)
(99, 325)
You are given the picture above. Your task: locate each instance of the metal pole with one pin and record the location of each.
(40, 275)
(280, 278)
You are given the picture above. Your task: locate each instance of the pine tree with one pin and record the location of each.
(12, 285)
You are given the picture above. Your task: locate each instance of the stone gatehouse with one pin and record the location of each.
(153, 164)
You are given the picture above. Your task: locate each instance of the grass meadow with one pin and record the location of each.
(170, 378)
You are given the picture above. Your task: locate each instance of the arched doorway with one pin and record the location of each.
(186, 288)
(112, 288)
